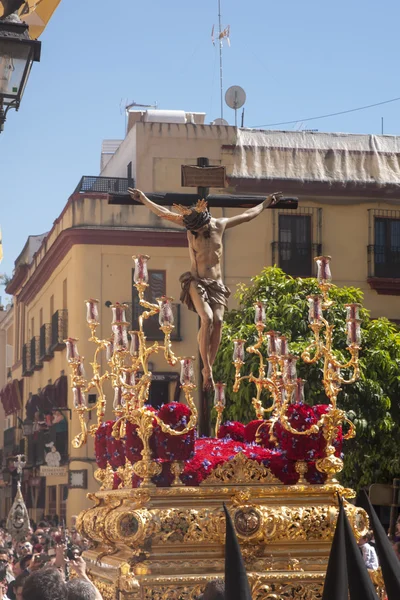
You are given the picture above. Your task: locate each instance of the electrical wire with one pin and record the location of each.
(342, 112)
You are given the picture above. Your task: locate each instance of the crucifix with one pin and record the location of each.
(203, 290)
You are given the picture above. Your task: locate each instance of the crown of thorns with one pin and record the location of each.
(200, 207)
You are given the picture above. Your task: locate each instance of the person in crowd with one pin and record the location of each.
(3, 582)
(214, 590)
(18, 586)
(22, 565)
(396, 548)
(45, 584)
(368, 552)
(6, 560)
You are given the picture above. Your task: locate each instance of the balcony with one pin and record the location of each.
(59, 330)
(295, 259)
(26, 360)
(45, 352)
(152, 326)
(384, 269)
(105, 185)
(36, 363)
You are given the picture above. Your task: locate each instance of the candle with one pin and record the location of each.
(166, 315)
(353, 332)
(238, 350)
(323, 269)
(298, 392)
(289, 369)
(134, 347)
(353, 311)
(314, 308)
(72, 350)
(92, 312)
(282, 345)
(118, 312)
(141, 274)
(187, 371)
(273, 348)
(79, 399)
(120, 332)
(259, 313)
(219, 394)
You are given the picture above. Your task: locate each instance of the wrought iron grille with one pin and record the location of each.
(297, 240)
(384, 243)
(26, 360)
(104, 185)
(45, 342)
(36, 363)
(59, 329)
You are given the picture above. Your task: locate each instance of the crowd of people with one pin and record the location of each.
(45, 565)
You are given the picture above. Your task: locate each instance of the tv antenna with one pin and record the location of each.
(235, 98)
(222, 34)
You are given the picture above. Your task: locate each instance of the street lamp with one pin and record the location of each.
(27, 427)
(17, 53)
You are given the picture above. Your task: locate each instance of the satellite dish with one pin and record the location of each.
(235, 97)
(219, 122)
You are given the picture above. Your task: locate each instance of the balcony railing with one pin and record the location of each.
(45, 353)
(59, 329)
(26, 360)
(384, 262)
(36, 363)
(152, 326)
(105, 185)
(295, 259)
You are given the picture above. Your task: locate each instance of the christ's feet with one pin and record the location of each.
(208, 381)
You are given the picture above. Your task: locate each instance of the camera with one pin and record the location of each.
(73, 552)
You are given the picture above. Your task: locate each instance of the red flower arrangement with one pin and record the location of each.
(171, 447)
(100, 445)
(263, 431)
(233, 430)
(115, 448)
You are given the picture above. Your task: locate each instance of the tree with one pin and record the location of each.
(372, 403)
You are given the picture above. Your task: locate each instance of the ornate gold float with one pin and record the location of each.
(159, 543)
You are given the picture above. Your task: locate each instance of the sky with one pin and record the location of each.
(294, 59)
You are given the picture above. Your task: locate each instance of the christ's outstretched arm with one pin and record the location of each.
(251, 213)
(160, 211)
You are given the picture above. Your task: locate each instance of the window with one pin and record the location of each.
(40, 317)
(159, 393)
(63, 493)
(65, 292)
(32, 327)
(52, 500)
(387, 247)
(129, 174)
(296, 240)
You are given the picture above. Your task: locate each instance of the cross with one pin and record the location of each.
(20, 463)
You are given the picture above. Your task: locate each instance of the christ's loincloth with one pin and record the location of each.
(213, 292)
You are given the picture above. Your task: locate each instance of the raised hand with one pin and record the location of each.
(272, 199)
(136, 194)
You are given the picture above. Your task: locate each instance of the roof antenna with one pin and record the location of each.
(222, 34)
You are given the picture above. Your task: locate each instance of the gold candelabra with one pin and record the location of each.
(130, 377)
(279, 375)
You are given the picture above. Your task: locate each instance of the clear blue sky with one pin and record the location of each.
(294, 59)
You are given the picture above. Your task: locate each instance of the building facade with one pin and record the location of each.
(349, 208)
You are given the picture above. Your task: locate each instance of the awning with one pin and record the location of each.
(50, 397)
(11, 396)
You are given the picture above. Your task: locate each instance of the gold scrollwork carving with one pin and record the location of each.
(240, 470)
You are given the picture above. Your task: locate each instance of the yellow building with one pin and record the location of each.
(347, 186)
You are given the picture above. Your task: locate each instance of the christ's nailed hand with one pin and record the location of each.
(136, 194)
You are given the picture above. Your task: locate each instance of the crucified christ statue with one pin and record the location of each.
(203, 290)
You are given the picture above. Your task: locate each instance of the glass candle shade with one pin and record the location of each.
(324, 274)
(134, 347)
(353, 311)
(78, 397)
(92, 311)
(72, 350)
(273, 346)
(314, 308)
(118, 401)
(166, 315)
(238, 350)
(259, 313)
(120, 331)
(187, 371)
(109, 349)
(141, 274)
(289, 373)
(219, 394)
(81, 370)
(353, 332)
(118, 313)
(298, 392)
(282, 345)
